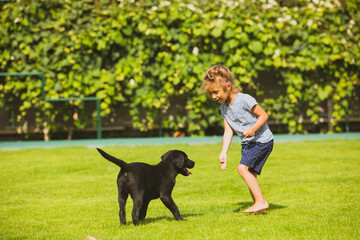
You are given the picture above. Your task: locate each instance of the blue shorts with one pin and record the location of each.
(254, 155)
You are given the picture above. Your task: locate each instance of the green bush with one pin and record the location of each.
(143, 54)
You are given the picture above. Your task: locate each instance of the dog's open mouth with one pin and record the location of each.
(185, 171)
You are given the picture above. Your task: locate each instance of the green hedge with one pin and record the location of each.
(143, 54)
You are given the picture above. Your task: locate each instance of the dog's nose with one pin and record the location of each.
(192, 163)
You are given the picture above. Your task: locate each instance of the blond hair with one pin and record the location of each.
(220, 75)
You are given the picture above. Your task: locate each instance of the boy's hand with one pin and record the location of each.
(262, 118)
(249, 132)
(223, 158)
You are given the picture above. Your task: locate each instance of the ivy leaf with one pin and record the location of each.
(323, 93)
(142, 27)
(128, 31)
(229, 33)
(256, 46)
(216, 32)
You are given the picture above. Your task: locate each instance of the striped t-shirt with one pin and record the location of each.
(239, 117)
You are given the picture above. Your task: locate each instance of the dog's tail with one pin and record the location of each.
(113, 159)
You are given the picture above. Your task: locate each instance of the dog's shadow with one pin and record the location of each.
(167, 218)
(244, 205)
(241, 206)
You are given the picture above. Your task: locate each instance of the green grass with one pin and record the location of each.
(69, 193)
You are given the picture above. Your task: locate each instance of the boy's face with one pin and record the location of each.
(219, 93)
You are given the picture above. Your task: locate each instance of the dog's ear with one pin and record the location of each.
(176, 158)
(179, 161)
(166, 155)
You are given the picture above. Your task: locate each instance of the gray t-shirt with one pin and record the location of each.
(239, 117)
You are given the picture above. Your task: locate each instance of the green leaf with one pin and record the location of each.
(27, 104)
(229, 33)
(216, 32)
(256, 46)
(142, 27)
(323, 93)
(128, 31)
(101, 94)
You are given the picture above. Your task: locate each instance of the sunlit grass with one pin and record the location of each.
(69, 193)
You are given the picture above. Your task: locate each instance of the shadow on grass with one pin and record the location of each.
(244, 205)
(167, 218)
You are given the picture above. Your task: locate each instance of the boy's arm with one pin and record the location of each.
(262, 118)
(228, 134)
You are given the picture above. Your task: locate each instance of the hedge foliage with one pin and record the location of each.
(143, 54)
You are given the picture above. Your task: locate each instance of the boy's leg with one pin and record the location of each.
(252, 195)
(260, 203)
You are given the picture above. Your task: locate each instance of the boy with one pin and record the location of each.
(245, 117)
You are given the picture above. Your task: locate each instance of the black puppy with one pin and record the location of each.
(146, 182)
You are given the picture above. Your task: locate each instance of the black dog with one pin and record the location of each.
(146, 182)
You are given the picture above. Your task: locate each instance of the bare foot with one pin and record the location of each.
(257, 208)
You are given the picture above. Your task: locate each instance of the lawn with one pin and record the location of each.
(69, 193)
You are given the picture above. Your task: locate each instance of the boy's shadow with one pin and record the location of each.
(244, 205)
